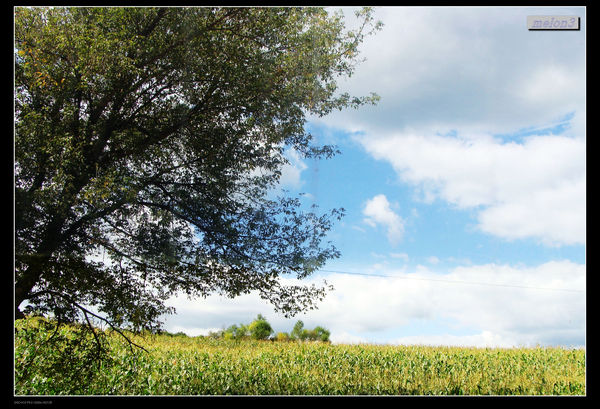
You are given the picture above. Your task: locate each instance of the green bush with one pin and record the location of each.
(303, 334)
(322, 334)
(236, 332)
(307, 335)
(260, 328)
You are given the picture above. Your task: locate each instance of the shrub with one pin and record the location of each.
(236, 332)
(303, 334)
(322, 334)
(216, 334)
(307, 335)
(260, 328)
(282, 336)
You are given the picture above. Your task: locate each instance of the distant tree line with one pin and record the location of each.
(260, 329)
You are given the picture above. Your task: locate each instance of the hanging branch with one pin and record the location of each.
(86, 312)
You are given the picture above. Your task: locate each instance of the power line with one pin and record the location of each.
(454, 281)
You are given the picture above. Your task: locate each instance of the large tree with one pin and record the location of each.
(147, 142)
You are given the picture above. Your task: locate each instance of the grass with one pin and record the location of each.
(179, 365)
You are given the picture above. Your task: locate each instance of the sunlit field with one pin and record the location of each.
(181, 365)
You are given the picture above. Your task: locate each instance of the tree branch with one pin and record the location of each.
(86, 311)
(159, 15)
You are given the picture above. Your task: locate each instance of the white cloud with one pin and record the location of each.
(358, 228)
(433, 260)
(534, 189)
(550, 86)
(485, 339)
(465, 68)
(556, 215)
(402, 256)
(469, 74)
(347, 338)
(378, 212)
(360, 307)
(191, 331)
(477, 72)
(292, 171)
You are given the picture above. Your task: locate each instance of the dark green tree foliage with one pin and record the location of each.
(146, 142)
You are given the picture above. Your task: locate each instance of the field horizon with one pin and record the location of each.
(180, 365)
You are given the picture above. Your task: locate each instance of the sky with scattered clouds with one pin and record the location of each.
(464, 188)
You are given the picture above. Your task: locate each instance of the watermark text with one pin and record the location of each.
(553, 23)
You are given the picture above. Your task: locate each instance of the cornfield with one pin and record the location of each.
(180, 365)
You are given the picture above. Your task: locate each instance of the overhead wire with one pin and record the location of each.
(454, 281)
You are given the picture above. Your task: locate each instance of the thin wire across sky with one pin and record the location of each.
(455, 281)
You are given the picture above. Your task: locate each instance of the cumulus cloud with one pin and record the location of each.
(522, 315)
(472, 69)
(485, 339)
(493, 304)
(378, 211)
(534, 189)
(452, 80)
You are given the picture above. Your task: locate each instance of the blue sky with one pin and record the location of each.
(464, 188)
(432, 232)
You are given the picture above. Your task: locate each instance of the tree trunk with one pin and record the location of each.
(27, 281)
